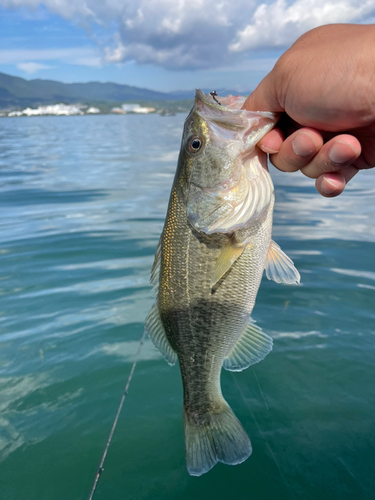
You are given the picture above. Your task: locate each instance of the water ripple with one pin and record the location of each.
(83, 201)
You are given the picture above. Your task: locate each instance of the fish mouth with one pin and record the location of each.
(228, 113)
(230, 102)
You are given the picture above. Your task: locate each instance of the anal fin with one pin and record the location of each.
(279, 267)
(251, 347)
(155, 329)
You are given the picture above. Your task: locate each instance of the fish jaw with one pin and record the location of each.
(234, 205)
(229, 183)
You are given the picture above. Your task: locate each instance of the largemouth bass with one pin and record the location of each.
(215, 244)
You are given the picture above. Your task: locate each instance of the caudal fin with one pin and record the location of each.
(220, 438)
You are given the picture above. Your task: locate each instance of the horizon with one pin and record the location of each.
(111, 82)
(158, 44)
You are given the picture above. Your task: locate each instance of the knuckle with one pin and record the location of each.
(314, 169)
(285, 163)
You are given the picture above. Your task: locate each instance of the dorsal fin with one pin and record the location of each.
(251, 347)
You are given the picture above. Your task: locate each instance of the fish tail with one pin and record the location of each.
(218, 437)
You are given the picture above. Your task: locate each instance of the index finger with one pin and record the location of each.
(264, 97)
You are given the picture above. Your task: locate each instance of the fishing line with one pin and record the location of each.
(100, 468)
(263, 435)
(264, 399)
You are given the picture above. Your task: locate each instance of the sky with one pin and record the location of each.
(161, 44)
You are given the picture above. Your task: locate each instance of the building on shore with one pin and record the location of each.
(132, 108)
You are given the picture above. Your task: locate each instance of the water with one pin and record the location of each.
(82, 205)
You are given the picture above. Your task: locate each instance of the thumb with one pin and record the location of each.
(264, 97)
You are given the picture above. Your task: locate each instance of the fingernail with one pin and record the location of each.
(341, 153)
(304, 145)
(270, 151)
(329, 186)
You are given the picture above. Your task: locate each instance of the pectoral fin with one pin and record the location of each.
(252, 347)
(155, 329)
(279, 267)
(227, 258)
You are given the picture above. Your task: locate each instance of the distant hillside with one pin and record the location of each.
(18, 92)
(15, 91)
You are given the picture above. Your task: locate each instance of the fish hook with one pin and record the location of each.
(213, 94)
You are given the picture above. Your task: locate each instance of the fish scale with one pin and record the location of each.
(208, 268)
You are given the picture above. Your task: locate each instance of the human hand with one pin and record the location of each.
(325, 87)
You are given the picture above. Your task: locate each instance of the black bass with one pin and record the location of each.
(215, 244)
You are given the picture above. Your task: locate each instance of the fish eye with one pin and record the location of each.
(195, 144)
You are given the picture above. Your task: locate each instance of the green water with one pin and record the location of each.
(82, 204)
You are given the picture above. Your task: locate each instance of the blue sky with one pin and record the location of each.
(160, 44)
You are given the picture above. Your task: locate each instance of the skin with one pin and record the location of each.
(324, 86)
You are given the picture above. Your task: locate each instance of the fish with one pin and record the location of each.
(213, 249)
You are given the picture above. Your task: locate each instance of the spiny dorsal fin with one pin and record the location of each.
(279, 267)
(227, 258)
(251, 347)
(155, 329)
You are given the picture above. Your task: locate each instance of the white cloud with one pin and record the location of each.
(65, 8)
(25, 58)
(279, 24)
(32, 67)
(178, 34)
(169, 33)
(199, 34)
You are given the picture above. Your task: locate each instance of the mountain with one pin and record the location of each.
(15, 91)
(18, 92)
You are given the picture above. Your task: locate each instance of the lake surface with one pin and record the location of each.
(82, 204)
